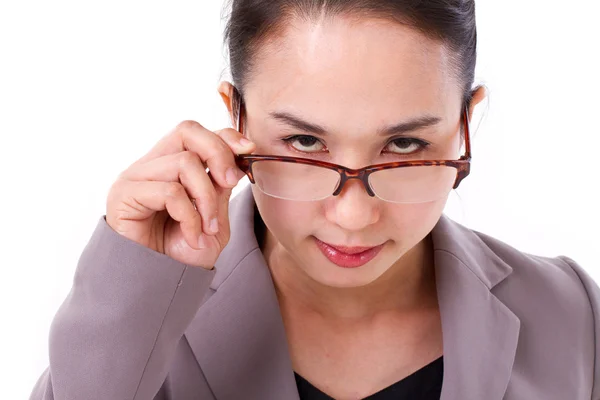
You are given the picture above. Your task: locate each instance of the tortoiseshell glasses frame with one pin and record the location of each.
(462, 165)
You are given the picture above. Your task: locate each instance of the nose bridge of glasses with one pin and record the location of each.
(348, 174)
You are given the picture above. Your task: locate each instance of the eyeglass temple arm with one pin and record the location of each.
(239, 121)
(467, 155)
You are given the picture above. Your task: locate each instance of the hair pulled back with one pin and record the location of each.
(452, 22)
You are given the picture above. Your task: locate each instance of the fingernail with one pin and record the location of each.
(202, 242)
(214, 225)
(245, 142)
(231, 177)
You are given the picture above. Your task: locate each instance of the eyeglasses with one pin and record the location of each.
(305, 179)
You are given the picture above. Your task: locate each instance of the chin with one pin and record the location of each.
(331, 275)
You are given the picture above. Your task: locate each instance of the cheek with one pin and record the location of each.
(412, 222)
(284, 218)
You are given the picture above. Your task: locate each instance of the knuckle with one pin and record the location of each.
(115, 189)
(123, 174)
(188, 159)
(174, 189)
(189, 124)
(220, 150)
(227, 134)
(231, 132)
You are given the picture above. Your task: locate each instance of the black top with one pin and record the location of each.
(424, 384)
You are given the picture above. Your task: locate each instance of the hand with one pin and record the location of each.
(152, 202)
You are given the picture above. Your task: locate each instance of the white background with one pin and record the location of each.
(88, 87)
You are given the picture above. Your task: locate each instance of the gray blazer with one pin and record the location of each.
(140, 325)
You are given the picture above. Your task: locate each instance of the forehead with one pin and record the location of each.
(351, 69)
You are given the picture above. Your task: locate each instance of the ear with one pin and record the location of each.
(479, 93)
(225, 89)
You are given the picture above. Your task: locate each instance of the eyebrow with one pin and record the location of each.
(411, 125)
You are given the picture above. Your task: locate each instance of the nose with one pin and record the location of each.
(353, 209)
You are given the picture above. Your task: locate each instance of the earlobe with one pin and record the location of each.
(225, 90)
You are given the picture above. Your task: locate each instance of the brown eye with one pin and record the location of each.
(406, 146)
(305, 143)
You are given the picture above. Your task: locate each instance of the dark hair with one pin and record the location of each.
(452, 22)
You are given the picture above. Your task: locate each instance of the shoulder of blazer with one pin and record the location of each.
(544, 268)
(563, 288)
(560, 296)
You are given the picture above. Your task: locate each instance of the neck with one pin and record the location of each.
(406, 287)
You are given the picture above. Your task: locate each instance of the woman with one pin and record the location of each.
(335, 274)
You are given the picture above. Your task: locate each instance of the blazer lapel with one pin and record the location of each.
(238, 336)
(239, 339)
(480, 333)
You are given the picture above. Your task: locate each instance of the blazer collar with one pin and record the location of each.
(239, 340)
(480, 333)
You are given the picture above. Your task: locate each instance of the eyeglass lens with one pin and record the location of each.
(302, 182)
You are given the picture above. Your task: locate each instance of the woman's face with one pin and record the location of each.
(353, 78)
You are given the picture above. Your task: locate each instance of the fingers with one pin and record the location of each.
(186, 168)
(149, 197)
(223, 196)
(215, 150)
(234, 140)
(173, 176)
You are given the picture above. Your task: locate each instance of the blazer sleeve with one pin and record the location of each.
(116, 332)
(593, 292)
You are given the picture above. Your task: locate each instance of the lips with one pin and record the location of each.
(348, 257)
(349, 250)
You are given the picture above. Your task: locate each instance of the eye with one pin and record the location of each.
(305, 143)
(406, 146)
